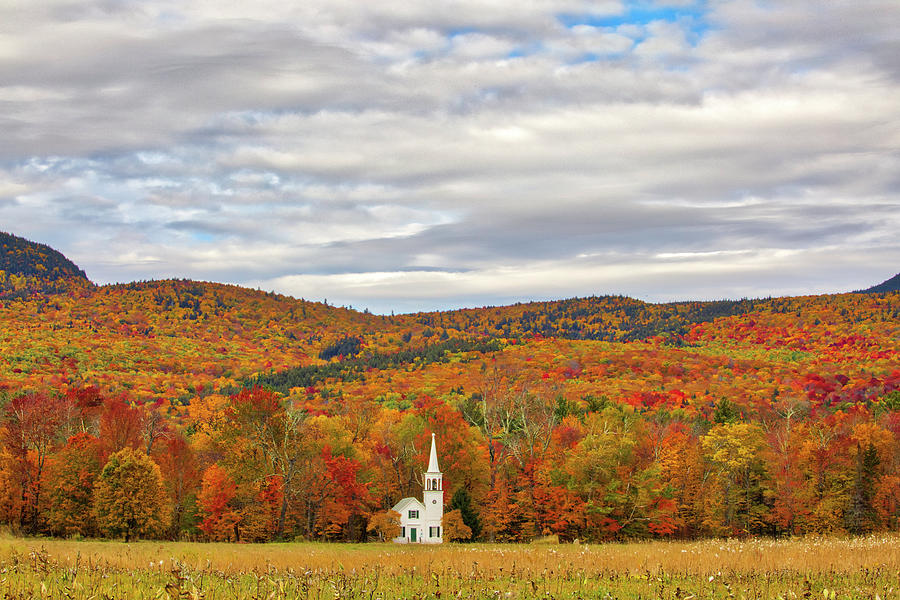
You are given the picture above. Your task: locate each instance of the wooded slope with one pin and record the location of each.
(258, 416)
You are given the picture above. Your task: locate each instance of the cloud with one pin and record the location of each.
(707, 276)
(405, 155)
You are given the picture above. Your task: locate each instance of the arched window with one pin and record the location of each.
(428, 484)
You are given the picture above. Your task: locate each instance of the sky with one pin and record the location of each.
(404, 155)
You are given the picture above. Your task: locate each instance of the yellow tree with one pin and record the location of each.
(681, 466)
(129, 497)
(386, 524)
(734, 450)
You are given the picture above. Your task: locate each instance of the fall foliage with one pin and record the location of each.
(454, 528)
(129, 499)
(239, 415)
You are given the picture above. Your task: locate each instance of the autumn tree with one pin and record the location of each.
(734, 450)
(824, 458)
(491, 412)
(153, 425)
(392, 457)
(458, 445)
(214, 503)
(501, 516)
(32, 429)
(400, 440)
(177, 461)
(88, 402)
(121, 425)
(385, 524)
(129, 497)
(341, 497)
(618, 498)
(455, 528)
(269, 437)
(681, 468)
(514, 416)
(71, 487)
(785, 435)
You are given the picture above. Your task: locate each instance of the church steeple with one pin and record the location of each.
(433, 461)
(433, 497)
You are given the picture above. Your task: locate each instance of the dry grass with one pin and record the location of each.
(805, 555)
(811, 567)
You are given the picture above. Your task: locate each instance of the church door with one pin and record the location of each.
(412, 534)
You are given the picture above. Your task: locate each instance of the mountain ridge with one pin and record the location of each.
(42, 268)
(888, 285)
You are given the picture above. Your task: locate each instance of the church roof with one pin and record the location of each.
(433, 461)
(408, 502)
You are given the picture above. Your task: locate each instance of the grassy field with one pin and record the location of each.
(807, 568)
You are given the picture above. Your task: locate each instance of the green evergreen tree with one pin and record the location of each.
(861, 516)
(462, 502)
(726, 412)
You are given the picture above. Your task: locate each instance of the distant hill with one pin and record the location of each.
(606, 318)
(27, 267)
(174, 337)
(891, 285)
(547, 411)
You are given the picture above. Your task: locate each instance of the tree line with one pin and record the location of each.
(518, 462)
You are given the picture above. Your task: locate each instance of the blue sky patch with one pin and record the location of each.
(642, 13)
(201, 236)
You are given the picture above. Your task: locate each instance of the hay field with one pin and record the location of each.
(867, 567)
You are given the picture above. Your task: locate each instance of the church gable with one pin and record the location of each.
(408, 504)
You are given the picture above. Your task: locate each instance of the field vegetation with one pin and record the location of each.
(863, 567)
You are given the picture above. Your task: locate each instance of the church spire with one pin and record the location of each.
(433, 461)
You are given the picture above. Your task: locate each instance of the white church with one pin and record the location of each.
(421, 521)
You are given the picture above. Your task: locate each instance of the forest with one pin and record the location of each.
(191, 410)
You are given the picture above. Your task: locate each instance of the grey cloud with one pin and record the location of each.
(124, 91)
(778, 40)
(398, 151)
(607, 230)
(206, 227)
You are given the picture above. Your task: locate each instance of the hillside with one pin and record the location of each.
(167, 338)
(27, 267)
(607, 318)
(596, 418)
